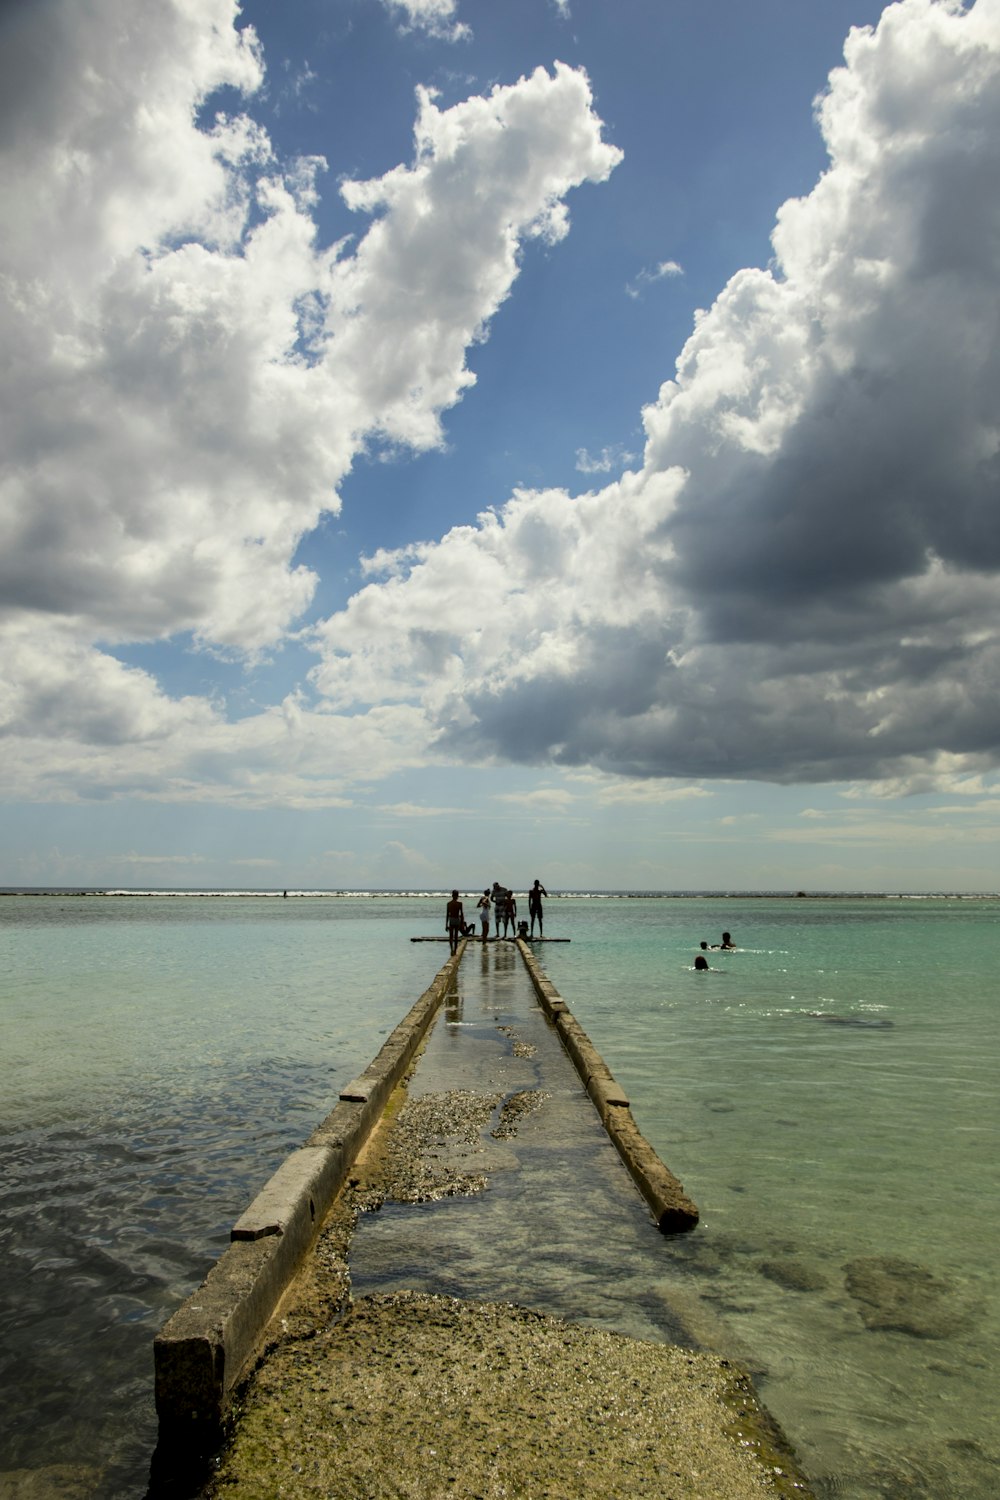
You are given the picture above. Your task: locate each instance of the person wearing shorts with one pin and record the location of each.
(535, 906)
(483, 907)
(454, 921)
(499, 903)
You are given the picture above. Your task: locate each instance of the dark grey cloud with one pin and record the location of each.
(802, 583)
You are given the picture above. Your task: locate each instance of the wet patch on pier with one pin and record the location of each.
(520, 1047)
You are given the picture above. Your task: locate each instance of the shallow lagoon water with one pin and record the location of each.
(161, 1054)
(811, 1146)
(160, 1058)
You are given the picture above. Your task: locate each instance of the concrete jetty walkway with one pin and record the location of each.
(557, 1223)
(487, 1309)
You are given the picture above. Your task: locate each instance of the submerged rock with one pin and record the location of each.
(865, 1023)
(898, 1295)
(52, 1482)
(794, 1275)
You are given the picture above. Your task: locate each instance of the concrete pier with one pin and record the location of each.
(672, 1209)
(212, 1341)
(509, 1237)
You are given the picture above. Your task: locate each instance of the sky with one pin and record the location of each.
(446, 441)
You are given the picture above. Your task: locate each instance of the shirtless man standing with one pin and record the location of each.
(535, 906)
(454, 921)
(499, 903)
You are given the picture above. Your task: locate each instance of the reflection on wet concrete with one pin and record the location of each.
(559, 1226)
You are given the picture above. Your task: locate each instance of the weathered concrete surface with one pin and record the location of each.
(288, 1203)
(209, 1343)
(420, 1396)
(493, 1174)
(674, 1211)
(478, 939)
(492, 1205)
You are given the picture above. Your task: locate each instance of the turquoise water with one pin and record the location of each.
(810, 1145)
(160, 1058)
(161, 1054)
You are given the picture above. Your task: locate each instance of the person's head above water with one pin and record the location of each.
(701, 962)
(702, 945)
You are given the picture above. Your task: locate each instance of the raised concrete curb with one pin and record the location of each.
(673, 1210)
(210, 1342)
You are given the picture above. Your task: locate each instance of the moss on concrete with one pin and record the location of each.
(414, 1395)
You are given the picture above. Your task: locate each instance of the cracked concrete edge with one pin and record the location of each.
(673, 1210)
(211, 1341)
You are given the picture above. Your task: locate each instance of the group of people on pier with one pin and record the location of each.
(503, 904)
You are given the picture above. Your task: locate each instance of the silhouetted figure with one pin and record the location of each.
(454, 921)
(701, 962)
(535, 906)
(483, 908)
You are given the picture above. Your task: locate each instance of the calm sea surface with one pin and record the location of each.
(159, 1055)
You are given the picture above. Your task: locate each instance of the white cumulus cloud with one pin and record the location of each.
(437, 18)
(646, 277)
(802, 581)
(189, 373)
(799, 582)
(613, 457)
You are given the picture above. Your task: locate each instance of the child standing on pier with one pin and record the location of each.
(483, 907)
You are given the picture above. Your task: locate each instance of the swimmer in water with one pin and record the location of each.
(701, 962)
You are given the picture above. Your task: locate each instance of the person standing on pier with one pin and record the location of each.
(535, 906)
(483, 907)
(499, 903)
(510, 915)
(454, 921)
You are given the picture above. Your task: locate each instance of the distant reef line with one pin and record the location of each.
(346, 894)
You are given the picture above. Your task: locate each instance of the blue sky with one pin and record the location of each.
(446, 442)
